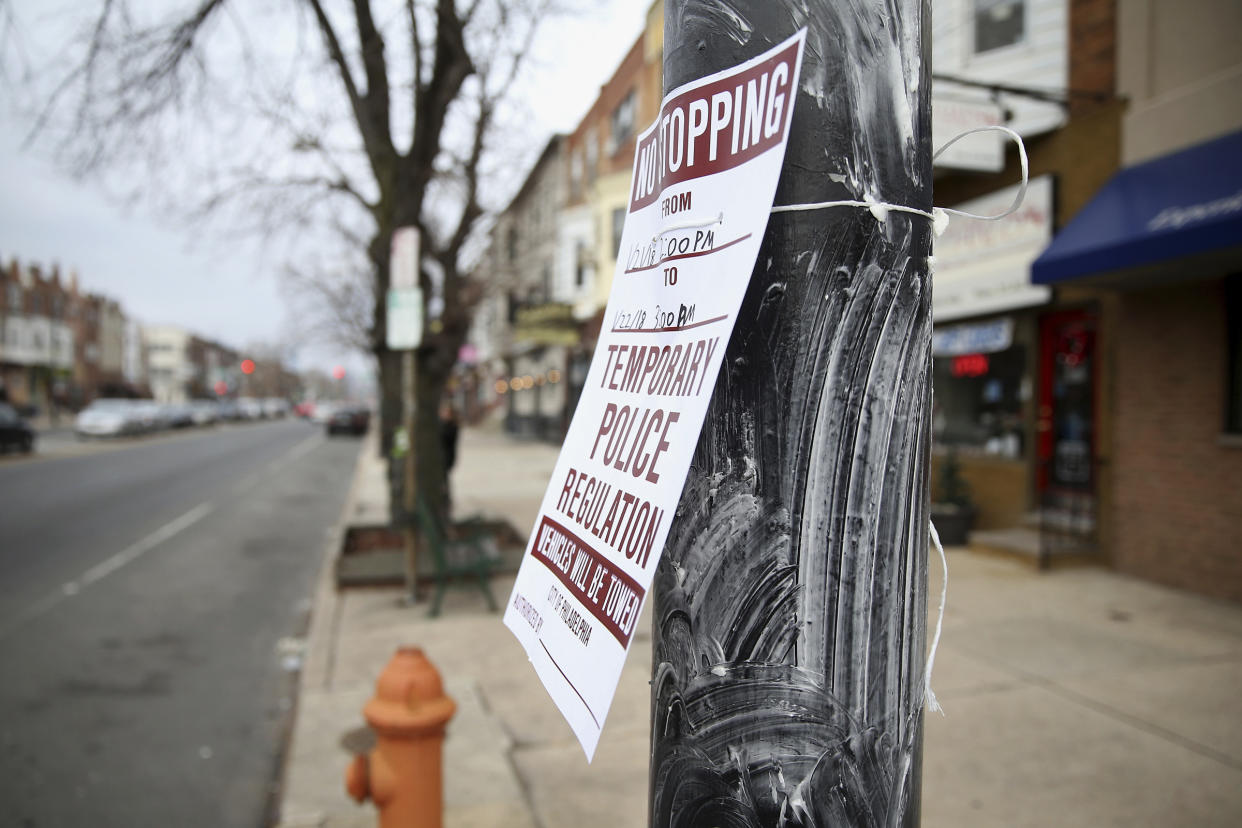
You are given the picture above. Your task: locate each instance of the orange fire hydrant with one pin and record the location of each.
(403, 775)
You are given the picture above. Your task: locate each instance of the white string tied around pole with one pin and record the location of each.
(940, 220)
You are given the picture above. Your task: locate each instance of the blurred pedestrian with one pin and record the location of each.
(448, 450)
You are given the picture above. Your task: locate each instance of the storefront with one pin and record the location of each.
(1161, 247)
(986, 351)
(537, 397)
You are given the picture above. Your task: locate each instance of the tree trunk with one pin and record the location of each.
(432, 481)
(389, 363)
(789, 606)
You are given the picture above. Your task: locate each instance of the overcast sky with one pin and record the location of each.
(165, 273)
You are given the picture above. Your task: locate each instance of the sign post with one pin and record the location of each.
(405, 332)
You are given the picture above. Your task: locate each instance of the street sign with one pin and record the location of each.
(951, 116)
(704, 178)
(405, 318)
(403, 264)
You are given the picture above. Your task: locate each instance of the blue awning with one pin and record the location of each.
(1179, 206)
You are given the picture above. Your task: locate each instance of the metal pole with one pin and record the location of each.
(409, 489)
(789, 607)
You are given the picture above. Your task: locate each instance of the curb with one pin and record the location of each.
(320, 647)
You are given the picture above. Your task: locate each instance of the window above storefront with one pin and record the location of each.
(999, 23)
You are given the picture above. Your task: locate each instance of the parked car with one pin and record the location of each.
(14, 431)
(275, 407)
(177, 415)
(150, 415)
(108, 417)
(323, 411)
(251, 408)
(204, 412)
(349, 420)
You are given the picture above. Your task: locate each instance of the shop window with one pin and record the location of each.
(979, 402)
(618, 224)
(622, 122)
(580, 266)
(999, 23)
(592, 154)
(1233, 338)
(575, 175)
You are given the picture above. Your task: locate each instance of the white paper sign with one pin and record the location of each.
(704, 177)
(403, 262)
(404, 323)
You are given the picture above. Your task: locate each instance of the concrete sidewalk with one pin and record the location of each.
(1073, 698)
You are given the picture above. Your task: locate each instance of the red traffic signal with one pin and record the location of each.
(338, 372)
(247, 366)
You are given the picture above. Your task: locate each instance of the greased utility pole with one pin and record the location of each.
(789, 610)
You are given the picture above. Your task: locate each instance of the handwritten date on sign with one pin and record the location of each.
(663, 248)
(661, 318)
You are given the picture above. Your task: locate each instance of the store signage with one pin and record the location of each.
(704, 177)
(979, 337)
(551, 323)
(970, 365)
(983, 152)
(985, 266)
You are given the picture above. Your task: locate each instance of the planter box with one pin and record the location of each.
(375, 555)
(952, 523)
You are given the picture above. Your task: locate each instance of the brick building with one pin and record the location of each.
(1001, 383)
(554, 249)
(36, 338)
(1157, 253)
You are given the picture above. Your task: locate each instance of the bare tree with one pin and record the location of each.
(340, 120)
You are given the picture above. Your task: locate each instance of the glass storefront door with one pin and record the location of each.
(1066, 431)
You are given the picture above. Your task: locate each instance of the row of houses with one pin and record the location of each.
(61, 347)
(1087, 350)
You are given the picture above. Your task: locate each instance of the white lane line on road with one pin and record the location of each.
(243, 485)
(296, 452)
(137, 550)
(105, 568)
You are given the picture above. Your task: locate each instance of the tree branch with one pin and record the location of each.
(416, 48)
(375, 101)
(451, 67)
(337, 55)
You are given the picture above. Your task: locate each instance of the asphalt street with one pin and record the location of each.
(152, 595)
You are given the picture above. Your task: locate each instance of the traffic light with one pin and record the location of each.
(247, 366)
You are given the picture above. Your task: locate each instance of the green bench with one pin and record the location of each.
(467, 552)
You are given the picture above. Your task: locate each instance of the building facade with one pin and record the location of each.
(1157, 252)
(37, 344)
(524, 329)
(1015, 362)
(554, 249)
(169, 369)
